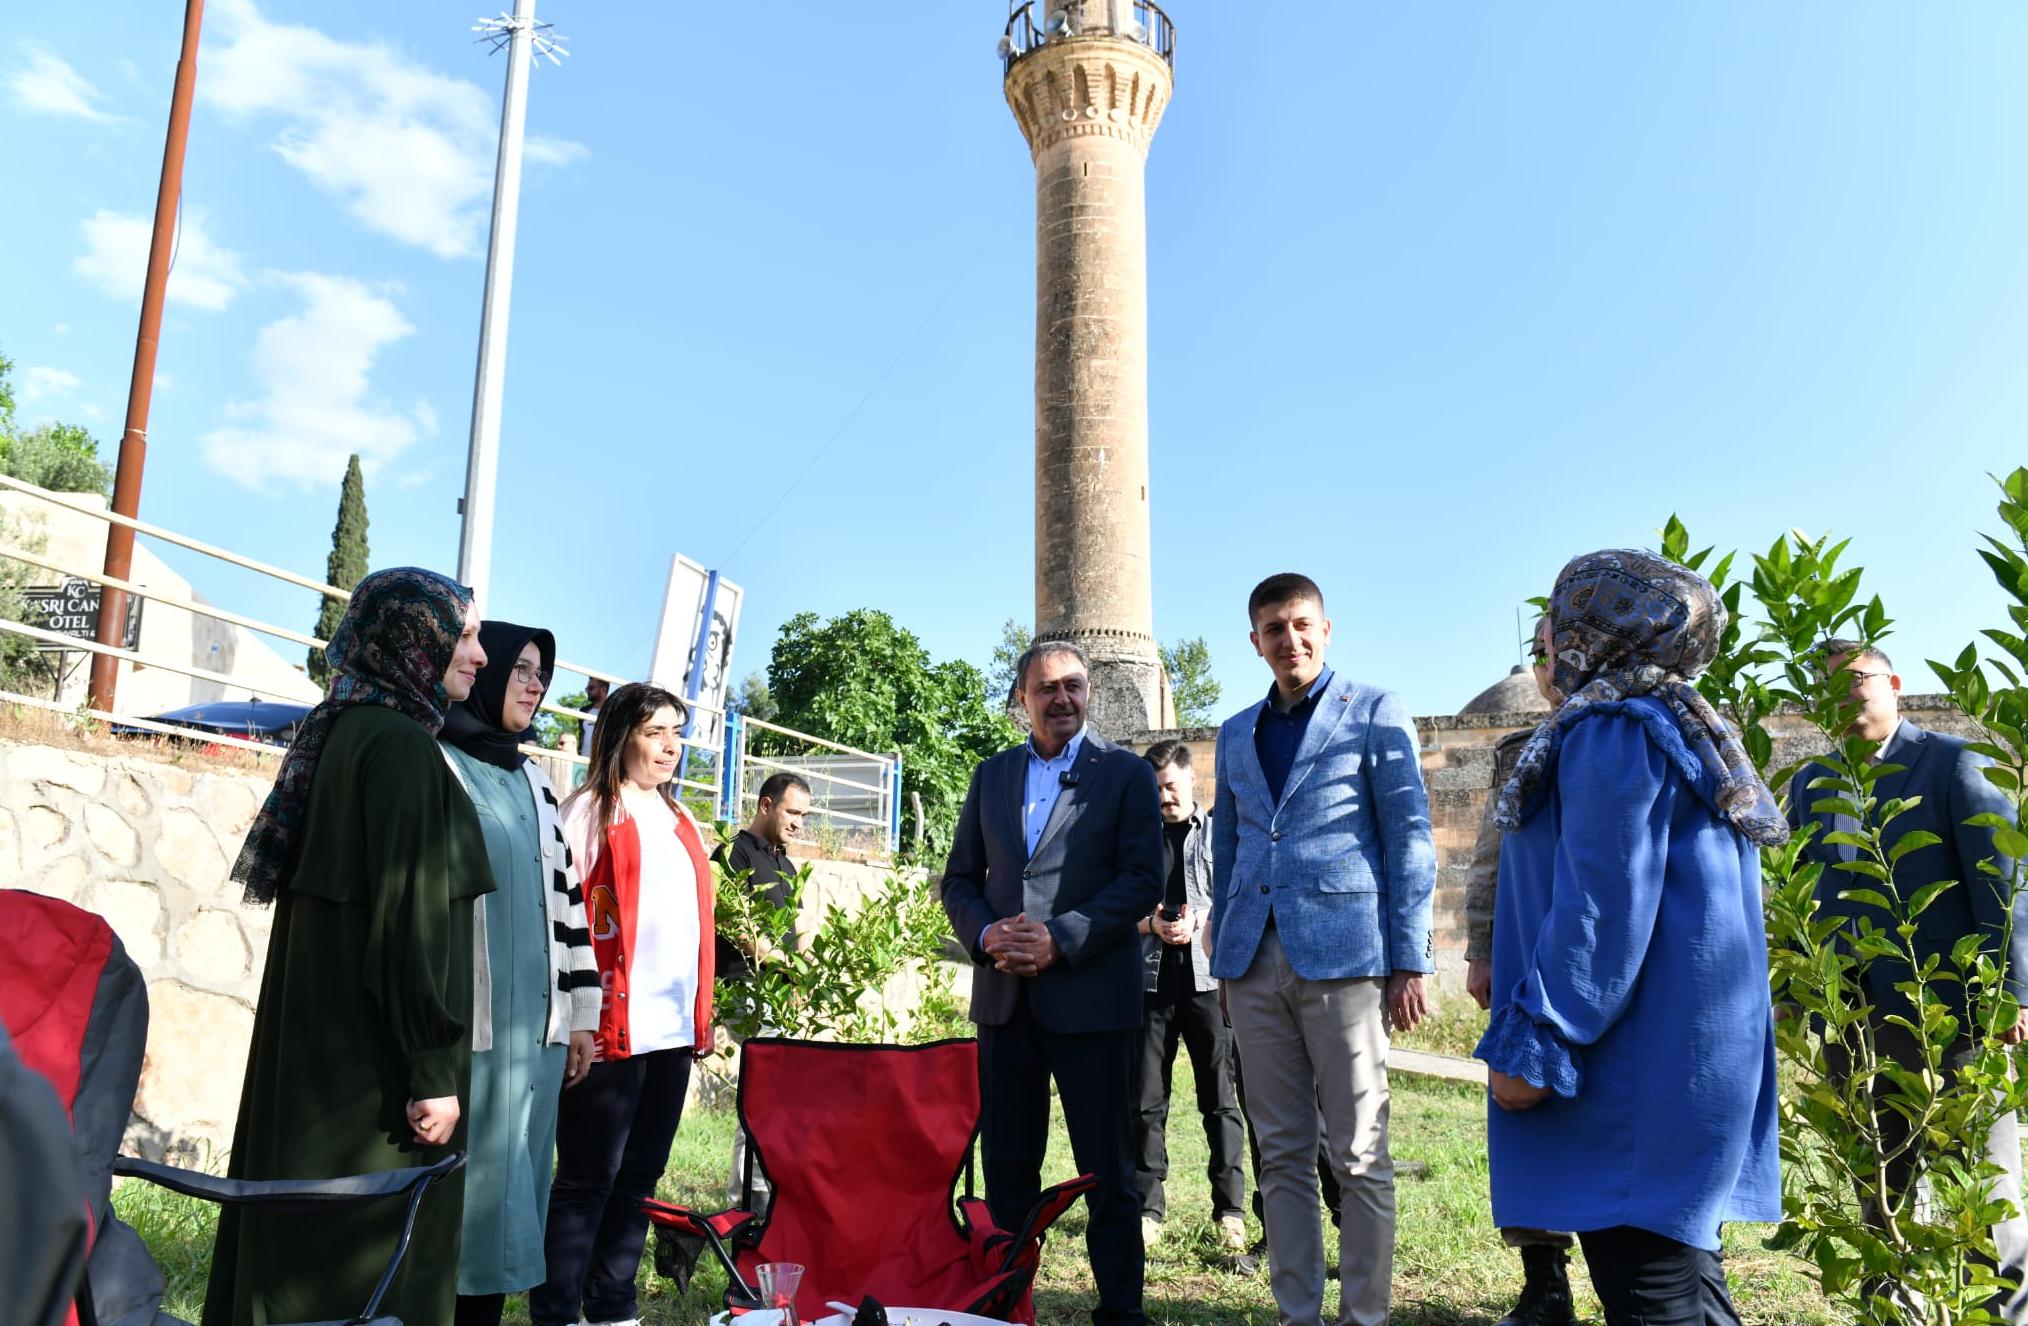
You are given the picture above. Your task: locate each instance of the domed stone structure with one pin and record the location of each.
(1514, 693)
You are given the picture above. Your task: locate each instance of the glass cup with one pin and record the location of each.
(778, 1282)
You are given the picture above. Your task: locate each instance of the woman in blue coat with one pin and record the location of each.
(1632, 1041)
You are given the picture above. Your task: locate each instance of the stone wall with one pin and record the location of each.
(147, 844)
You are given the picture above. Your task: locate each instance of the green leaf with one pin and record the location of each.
(1913, 840)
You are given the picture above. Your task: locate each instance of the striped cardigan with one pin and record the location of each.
(574, 994)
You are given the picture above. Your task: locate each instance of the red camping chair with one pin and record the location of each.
(76, 1009)
(864, 1146)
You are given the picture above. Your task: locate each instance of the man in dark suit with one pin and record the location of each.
(1058, 855)
(1946, 777)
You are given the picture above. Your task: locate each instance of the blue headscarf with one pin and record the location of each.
(392, 649)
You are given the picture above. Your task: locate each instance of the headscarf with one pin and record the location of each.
(1625, 623)
(473, 724)
(392, 649)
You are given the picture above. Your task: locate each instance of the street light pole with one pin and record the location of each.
(119, 561)
(482, 464)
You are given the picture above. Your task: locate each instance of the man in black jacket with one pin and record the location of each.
(1057, 855)
(761, 852)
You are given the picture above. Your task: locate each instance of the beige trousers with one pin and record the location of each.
(1304, 1045)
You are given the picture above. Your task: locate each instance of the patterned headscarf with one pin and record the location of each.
(392, 649)
(1625, 623)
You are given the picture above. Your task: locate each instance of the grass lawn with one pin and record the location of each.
(1449, 1264)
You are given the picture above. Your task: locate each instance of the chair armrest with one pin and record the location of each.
(1052, 1203)
(283, 1194)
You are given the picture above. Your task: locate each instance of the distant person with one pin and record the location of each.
(760, 851)
(372, 856)
(1943, 780)
(1182, 1008)
(537, 1003)
(1325, 864)
(1631, 1046)
(1545, 1254)
(1057, 854)
(649, 892)
(595, 691)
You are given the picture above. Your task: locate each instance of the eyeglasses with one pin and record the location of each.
(1538, 653)
(1857, 679)
(524, 675)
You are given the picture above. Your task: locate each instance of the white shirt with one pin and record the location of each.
(662, 971)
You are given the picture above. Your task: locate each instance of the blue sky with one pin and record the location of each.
(1441, 295)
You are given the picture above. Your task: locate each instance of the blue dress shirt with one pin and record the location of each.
(1044, 784)
(1277, 735)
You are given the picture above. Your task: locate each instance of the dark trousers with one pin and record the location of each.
(1198, 1025)
(1327, 1182)
(1646, 1279)
(1017, 1060)
(480, 1310)
(613, 1132)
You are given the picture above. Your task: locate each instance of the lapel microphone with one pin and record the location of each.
(1068, 778)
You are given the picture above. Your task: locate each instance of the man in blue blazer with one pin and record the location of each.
(1323, 865)
(1057, 857)
(1945, 775)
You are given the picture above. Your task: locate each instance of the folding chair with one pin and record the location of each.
(864, 1146)
(76, 1008)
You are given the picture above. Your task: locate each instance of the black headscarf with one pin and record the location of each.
(473, 724)
(392, 649)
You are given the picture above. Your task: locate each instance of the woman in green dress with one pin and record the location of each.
(372, 857)
(537, 1001)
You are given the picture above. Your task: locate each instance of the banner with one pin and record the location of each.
(686, 639)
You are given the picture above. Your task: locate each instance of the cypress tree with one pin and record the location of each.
(347, 564)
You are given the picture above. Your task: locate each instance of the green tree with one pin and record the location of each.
(22, 666)
(860, 679)
(346, 565)
(61, 457)
(1014, 640)
(1191, 685)
(754, 700)
(1926, 1256)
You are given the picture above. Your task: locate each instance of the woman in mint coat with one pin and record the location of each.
(536, 1003)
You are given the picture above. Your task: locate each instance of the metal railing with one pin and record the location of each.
(1130, 20)
(855, 795)
(711, 774)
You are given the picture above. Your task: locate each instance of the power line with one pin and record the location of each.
(885, 373)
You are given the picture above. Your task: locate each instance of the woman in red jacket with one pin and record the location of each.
(648, 895)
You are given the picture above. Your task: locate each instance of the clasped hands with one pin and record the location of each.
(1019, 946)
(433, 1120)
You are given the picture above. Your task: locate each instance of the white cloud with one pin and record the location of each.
(40, 383)
(116, 260)
(408, 151)
(49, 86)
(63, 329)
(165, 381)
(317, 404)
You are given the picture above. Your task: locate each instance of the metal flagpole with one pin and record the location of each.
(119, 560)
(482, 464)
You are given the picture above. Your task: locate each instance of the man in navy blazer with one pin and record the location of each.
(1323, 864)
(1939, 770)
(1057, 857)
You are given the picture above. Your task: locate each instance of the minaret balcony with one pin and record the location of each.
(1139, 21)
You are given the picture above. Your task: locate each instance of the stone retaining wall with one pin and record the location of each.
(147, 845)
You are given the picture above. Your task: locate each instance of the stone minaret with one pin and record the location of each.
(1088, 87)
